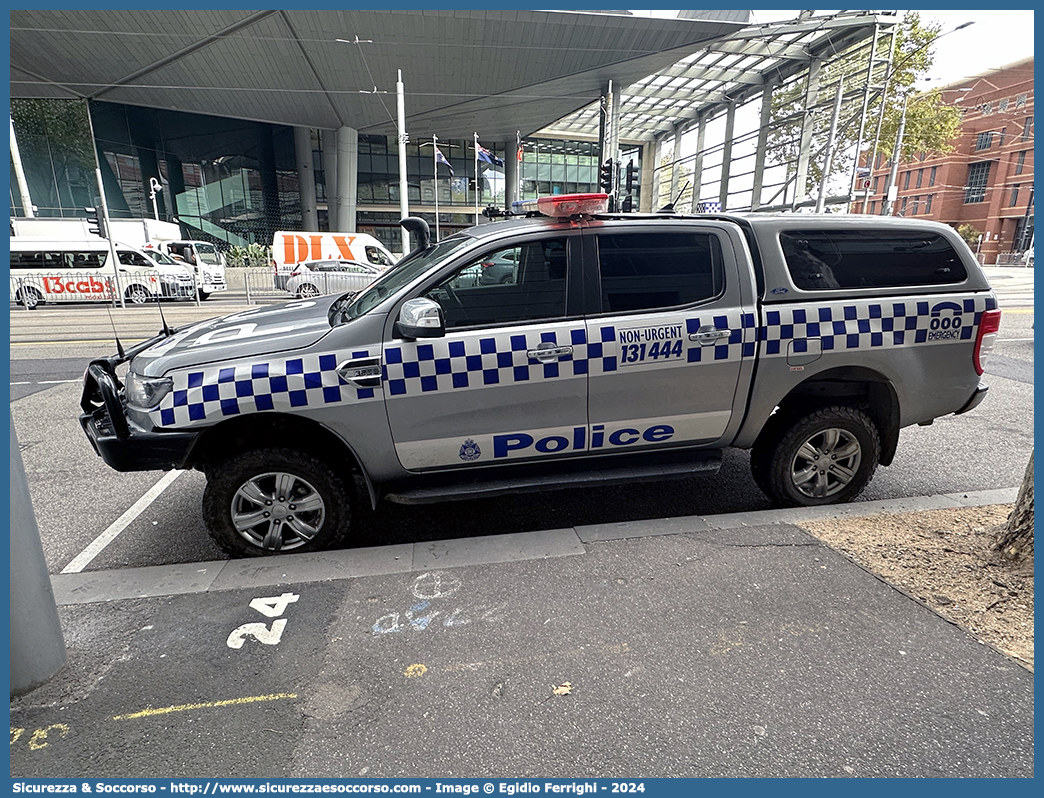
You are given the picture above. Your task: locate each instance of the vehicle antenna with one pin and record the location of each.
(119, 345)
(669, 207)
(163, 321)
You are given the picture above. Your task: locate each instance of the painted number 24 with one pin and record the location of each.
(270, 607)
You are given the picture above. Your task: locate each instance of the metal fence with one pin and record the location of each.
(30, 289)
(1014, 259)
(256, 282)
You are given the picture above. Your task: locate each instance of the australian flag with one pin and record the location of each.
(440, 158)
(487, 156)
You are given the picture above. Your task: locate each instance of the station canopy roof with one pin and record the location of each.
(491, 72)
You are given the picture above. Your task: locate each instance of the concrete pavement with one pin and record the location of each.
(732, 645)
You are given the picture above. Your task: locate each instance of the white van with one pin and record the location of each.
(61, 270)
(203, 258)
(291, 248)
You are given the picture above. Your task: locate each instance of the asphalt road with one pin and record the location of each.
(77, 498)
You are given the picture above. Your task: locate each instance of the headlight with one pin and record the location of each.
(147, 392)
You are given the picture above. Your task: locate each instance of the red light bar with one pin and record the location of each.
(564, 205)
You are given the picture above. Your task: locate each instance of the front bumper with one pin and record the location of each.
(121, 446)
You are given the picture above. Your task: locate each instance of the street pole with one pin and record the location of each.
(435, 174)
(105, 210)
(404, 186)
(892, 187)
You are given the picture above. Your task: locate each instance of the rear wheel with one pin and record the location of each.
(270, 501)
(307, 290)
(824, 457)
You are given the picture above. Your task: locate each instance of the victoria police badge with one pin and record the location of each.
(470, 451)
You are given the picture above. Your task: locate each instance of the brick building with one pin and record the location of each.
(987, 181)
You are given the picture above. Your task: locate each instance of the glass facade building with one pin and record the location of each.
(235, 182)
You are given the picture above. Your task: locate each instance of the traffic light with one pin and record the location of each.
(96, 223)
(605, 177)
(632, 176)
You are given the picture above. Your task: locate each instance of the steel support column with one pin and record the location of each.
(676, 154)
(726, 156)
(347, 178)
(759, 156)
(811, 91)
(697, 164)
(647, 183)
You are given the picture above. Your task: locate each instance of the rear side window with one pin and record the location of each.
(648, 271)
(821, 260)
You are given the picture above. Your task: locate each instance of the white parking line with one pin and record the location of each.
(83, 559)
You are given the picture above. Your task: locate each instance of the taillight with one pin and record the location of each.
(295, 272)
(989, 325)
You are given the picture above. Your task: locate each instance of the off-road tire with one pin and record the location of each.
(785, 463)
(233, 486)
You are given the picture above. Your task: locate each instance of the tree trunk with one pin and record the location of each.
(1015, 539)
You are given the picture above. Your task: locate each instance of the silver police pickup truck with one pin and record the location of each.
(623, 347)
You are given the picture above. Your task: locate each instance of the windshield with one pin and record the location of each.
(207, 253)
(403, 273)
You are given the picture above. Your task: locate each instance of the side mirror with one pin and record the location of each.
(420, 318)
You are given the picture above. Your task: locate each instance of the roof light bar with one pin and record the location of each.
(561, 206)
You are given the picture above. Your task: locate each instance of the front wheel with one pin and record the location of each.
(138, 294)
(29, 297)
(271, 501)
(204, 295)
(825, 457)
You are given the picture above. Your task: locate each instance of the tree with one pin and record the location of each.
(970, 233)
(931, 125)
(1015, 538)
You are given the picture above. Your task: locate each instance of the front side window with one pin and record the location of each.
(132, 259)
(378, 256)
(511, 285)
(402, 274)
(820, 260)
(650, 271)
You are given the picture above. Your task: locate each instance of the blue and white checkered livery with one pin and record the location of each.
(283, 384)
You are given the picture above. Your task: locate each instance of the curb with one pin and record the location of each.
(91, 587)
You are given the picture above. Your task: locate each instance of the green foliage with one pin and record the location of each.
(253, 255)
(970, 233)
(931, 125)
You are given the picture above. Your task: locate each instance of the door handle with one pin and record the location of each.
(362, 371)
(548, 352)
(706, 336)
